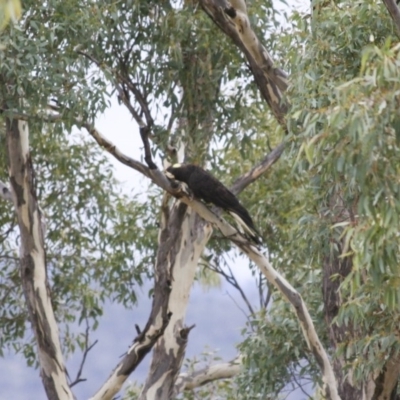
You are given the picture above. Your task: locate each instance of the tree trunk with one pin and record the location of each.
(33, 262)
(170, 349)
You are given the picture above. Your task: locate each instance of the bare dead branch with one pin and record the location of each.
(113, 150)
(144, 134)
(208, 374)
(88, 347)
(117, 80)
(140, 98)
(258, 170)
(231, 279)
(123, 84)
(394, 12)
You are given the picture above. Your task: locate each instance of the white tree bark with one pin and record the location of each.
(170, 232)
(33, 264)
(169, 351)
(208, 374)
(233, 20)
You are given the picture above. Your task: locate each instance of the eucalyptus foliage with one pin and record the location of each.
(344, 163)
(334, 195)
(100, 243)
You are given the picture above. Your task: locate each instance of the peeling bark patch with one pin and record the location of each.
(19, 192)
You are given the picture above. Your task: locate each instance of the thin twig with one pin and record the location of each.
(117, 80)
(78, 378)
(299, 385)
(231, 279)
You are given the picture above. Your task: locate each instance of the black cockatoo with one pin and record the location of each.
(205, 187)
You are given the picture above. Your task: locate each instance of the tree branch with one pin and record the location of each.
(233, 20)
(78, 378)
(303, 315)
(144, 134)
(113, 150)
(208, 374)
(231, 279)
(262, 262)
(258, 170)
(394, 13)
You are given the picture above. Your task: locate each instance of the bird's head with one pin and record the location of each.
(179, 172)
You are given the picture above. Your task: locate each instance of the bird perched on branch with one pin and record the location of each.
(205, 187)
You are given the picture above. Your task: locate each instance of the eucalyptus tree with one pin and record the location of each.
(201, 85)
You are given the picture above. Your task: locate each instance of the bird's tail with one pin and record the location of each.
(245, 225)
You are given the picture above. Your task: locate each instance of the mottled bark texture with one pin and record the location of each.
(33, 263)
(232, 19)
(170, 232)
(170, 349)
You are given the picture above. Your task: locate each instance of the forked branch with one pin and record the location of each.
(269, 272)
